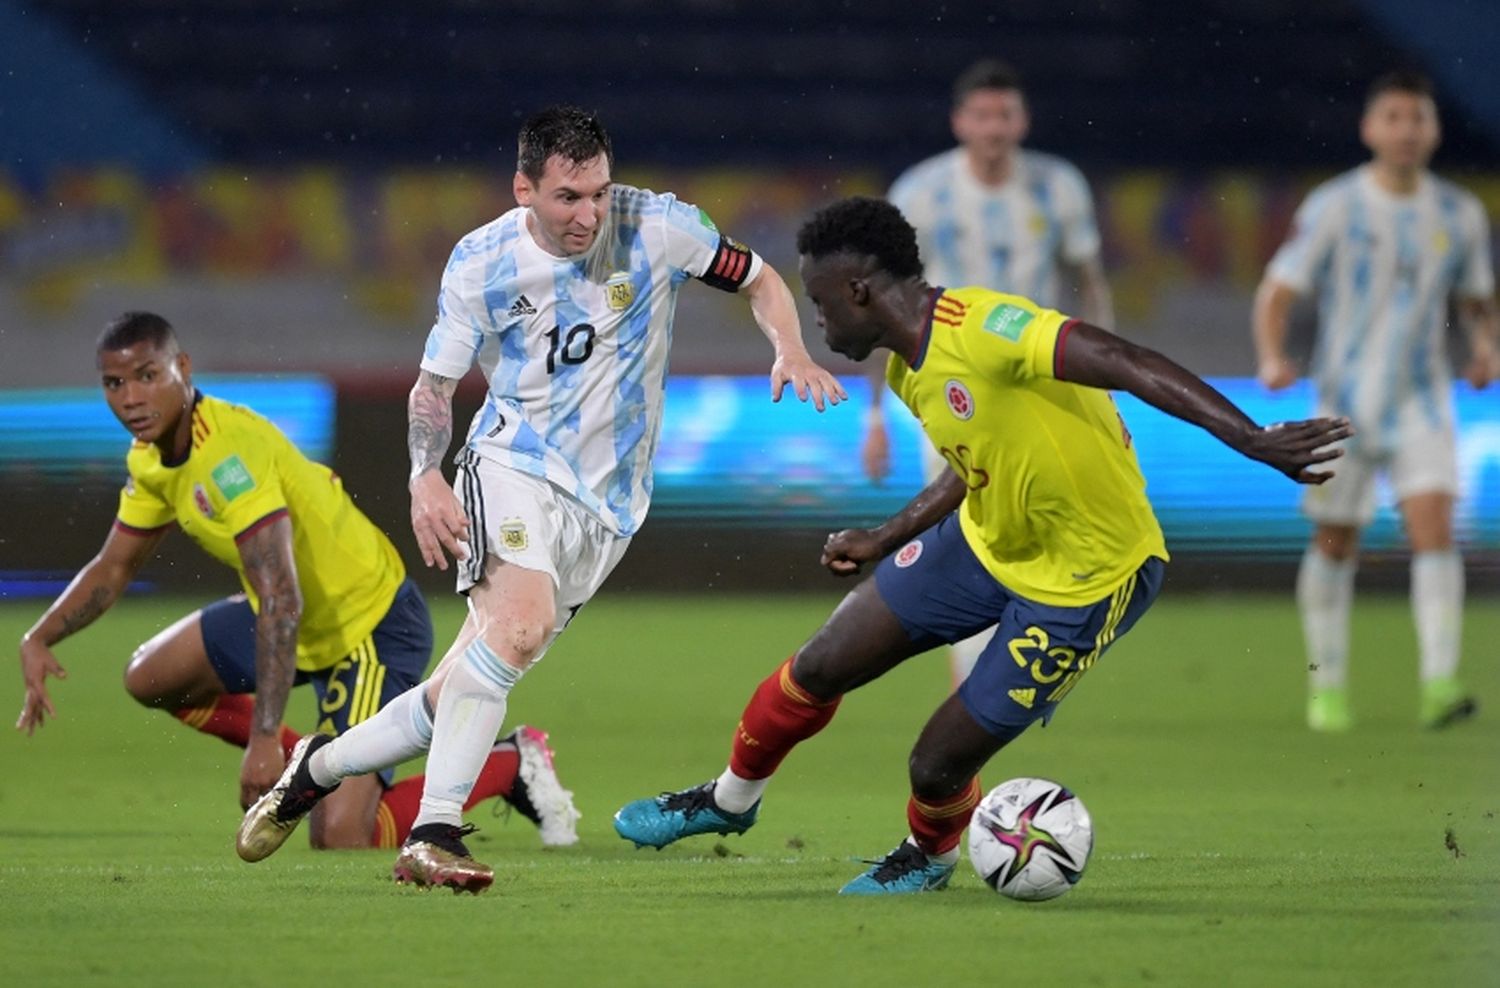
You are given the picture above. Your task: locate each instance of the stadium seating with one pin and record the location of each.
(721, 82)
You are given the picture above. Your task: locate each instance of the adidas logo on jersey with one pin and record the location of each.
(523, 307)
(1024, 697)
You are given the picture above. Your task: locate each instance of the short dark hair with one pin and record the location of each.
(1399, 81)
(130, 328)
(572, 133)
(861, 225)
(989, 73)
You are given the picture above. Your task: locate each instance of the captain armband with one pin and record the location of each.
(732, 266)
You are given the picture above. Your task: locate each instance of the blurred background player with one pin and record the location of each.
(567, 302)
(1387, 246)
(326, 599)
(1005, 535)
(989, 212)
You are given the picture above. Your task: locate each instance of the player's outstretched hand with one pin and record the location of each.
(37, 663)
(807, 379)
(438, 520)
(1294, 447)
(846, 552)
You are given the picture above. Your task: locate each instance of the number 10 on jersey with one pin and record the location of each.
(574, 348)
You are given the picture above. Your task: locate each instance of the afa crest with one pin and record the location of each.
(513, 536)
(619, 291)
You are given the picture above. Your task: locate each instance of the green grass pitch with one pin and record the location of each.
(1232, 846)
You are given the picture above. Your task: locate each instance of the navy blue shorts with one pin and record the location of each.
(1038, 652)
(382, 667)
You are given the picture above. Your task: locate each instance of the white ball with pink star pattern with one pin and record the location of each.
(1030, 839)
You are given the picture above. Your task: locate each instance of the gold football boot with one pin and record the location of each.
(275, 815)
(435, 855)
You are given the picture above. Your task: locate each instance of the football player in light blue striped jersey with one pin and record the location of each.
(1387, 247)
(566, 303)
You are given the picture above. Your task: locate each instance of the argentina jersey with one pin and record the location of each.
(1010, 237)
(575, 348)
(1385, 267)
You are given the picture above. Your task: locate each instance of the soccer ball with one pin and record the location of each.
(1030, 838)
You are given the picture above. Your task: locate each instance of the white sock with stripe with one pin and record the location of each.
(733, 794)
(1325, 596)
(946, 858)
(470, 710)
(400, 730)
(1437, 607)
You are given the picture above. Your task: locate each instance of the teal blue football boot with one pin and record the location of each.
(906, 869)
(674, 815)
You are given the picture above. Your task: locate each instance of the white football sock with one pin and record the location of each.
(736, 795)
(946, 858)
(470, 710)
(1437, 607)
(1325, 596)
(400, 730)
(963, 655)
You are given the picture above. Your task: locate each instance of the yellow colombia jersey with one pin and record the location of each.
(241, 472)
(1056, 508)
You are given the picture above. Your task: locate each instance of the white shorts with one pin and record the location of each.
(1423, 461)
(527, 522)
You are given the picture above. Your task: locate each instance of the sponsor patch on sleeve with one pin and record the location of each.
(232, 478)
(1008, 321)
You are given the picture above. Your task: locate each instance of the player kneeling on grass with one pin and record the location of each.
(336, 610)
(1040, 525)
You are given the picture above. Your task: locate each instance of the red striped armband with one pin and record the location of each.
(730, 267)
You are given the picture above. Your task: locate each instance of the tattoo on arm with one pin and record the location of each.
(429, 429)
(86, 613)
(96, 587)
(270, 569)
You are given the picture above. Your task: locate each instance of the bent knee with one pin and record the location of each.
(815, 674)
(933, 778)
(1337, 542)
(518, 639)
(141, 679)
